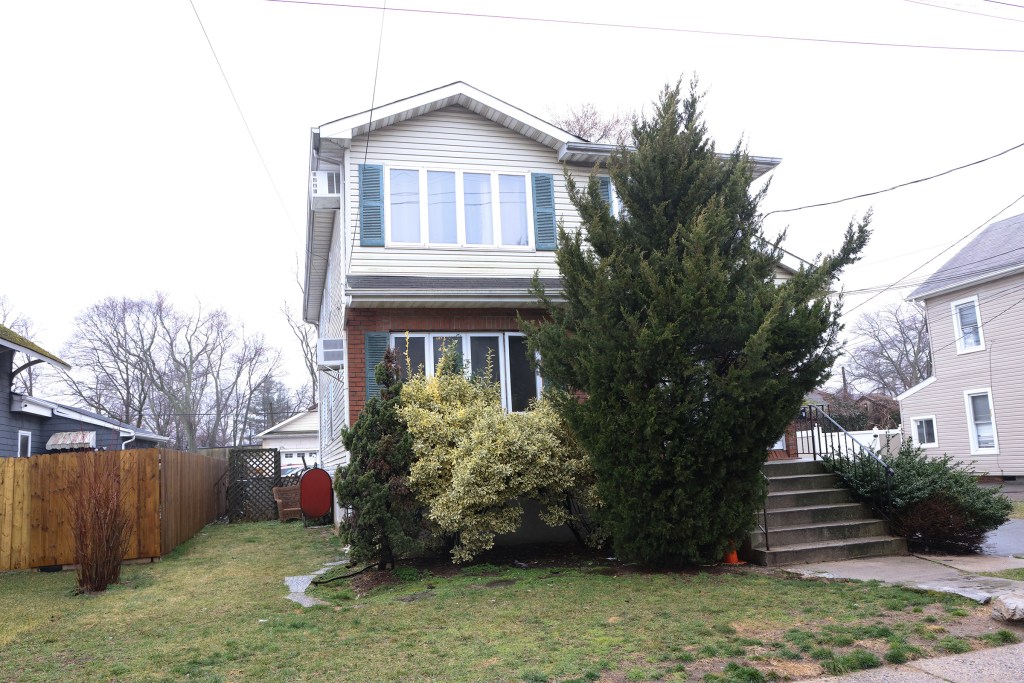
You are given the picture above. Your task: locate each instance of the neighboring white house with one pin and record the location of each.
(296, 437)
(972, 407)
(426, 219)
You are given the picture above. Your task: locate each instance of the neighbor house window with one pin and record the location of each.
(924, 431)
(967, 326)
(504, 353)
(24, 444)
(981, 422)
(458, 208)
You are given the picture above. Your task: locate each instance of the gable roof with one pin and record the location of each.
(996, 252)
(294, 424)
(12, 340)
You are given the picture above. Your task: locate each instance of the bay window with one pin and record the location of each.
(505, 353)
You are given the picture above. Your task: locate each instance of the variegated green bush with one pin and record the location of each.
(475, 463)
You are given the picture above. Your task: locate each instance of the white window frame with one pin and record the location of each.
(460, 208)
(960, 347)
(430, 362)
(972, 433)
(21, 433)
(935, 430)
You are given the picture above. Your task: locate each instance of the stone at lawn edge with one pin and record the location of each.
(1009, 607)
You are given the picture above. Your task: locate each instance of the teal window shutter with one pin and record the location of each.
(375, 343)
(371, 205)
(605, 184)
(544, 225)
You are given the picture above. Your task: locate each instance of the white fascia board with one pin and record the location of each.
(459, 298)
(31, 405)
(457, 93)
(34, 355)
(916, 388)
(981, 279)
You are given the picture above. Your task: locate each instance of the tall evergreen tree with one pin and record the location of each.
(682, 358)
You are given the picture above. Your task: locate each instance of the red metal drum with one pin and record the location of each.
(315, 493)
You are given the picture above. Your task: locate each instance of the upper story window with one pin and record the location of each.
(967, 326)
(509, 360)
(981, 422)
(427, 207)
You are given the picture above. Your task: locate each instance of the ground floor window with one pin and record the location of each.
(295, 457)
(510, 364)
(24, 444)
(924, 431)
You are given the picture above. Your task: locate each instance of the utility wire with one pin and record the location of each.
(1008, 4)
(964, 11)
(369, 129)
(896, 187)
(640, 27)
(238, 106)
(981, 325)
(948, 276)
(994, 216)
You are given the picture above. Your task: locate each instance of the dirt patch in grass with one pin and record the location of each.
(1018, 510)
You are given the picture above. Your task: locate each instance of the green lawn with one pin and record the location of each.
(214, 611)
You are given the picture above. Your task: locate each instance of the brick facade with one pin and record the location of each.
(359, 321)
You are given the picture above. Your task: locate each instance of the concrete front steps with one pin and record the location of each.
(813, 518)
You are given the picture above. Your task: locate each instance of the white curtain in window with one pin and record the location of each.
(477, 192)
(512, 189)
(405, 205)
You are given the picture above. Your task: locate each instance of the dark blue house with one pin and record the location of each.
(30, 425)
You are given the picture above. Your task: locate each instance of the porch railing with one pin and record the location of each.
(858, 465)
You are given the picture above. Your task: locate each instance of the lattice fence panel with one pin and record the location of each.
(252, 475)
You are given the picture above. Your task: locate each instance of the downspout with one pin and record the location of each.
(125, 443)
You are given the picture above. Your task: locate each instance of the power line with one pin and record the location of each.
(896, 187)
(640, 27)
(1008, 4)
(964, 11)
(937, 255)
(981, 325)
(948, 277)
(369, 130)
(238, 106)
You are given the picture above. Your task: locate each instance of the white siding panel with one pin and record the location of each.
(1000, 366)
(332, 325)
(458, 139)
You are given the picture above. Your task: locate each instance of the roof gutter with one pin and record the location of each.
(994, 275)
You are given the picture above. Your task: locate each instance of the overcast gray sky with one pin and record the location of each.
(126, 167)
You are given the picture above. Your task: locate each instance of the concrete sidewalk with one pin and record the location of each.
(943, 573)
(992, 665)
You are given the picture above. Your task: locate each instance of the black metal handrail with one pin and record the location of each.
(855, 463)
(764, 512)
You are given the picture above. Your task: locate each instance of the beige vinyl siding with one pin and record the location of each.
(332, 326)
(999, 367)
(455, 138)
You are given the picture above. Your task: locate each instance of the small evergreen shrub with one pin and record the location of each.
(936, 503)
(386, 522)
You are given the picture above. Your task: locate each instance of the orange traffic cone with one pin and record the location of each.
(731, 556)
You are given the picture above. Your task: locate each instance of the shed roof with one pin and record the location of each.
(12, 340)
(996, 252)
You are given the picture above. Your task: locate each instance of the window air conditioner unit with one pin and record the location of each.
(325, 184)
(330, 354)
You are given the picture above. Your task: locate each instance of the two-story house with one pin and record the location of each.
(30, 425)
(972, 407)
(427, 218)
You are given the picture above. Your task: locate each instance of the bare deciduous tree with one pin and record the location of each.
(588, 122)
(193, 376)
(25, 381)
(305, 335)
(892, 352)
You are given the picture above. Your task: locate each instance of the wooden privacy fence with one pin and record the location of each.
(169, 495)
